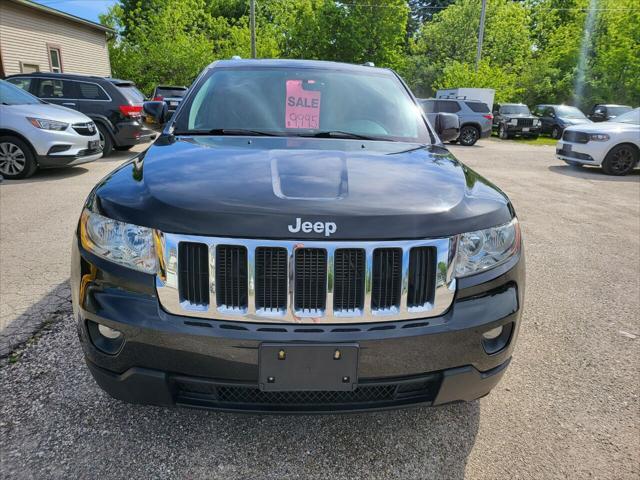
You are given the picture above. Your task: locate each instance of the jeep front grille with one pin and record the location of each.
(305, 281)
(525, 122)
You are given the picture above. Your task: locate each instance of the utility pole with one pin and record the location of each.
(252, 25)
(481, 33)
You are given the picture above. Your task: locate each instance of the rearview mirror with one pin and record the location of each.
(156, 110)
(447, 126)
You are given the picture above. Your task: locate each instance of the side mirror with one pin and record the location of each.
(447, 126)
(156, 110)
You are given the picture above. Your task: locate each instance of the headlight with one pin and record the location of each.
(513, 121)
(599, 137)
(47, 124)
(485, 249)
(128, 245)
(536, 121)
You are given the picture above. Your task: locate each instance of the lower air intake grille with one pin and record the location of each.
(310, 279)
(231, 277)
(422, 265)
(387, 273)
(349, 271)
(271, 279)
(193, 274)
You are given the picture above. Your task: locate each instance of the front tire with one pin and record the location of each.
(16, 158)
(502, 132)
(620, 160)
(123, 148)
(468, 136)
(105, 140)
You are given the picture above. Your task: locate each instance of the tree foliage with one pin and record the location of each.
(531, 52)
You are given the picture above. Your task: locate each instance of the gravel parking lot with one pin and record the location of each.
(568, 406)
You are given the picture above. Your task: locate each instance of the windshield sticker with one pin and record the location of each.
(303, 106)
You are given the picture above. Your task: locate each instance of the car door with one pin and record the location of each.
(57, 91)
(548, 119)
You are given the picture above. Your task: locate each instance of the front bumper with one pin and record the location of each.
(174, 360)
(54, 161)
(522, 130)
(591, 153)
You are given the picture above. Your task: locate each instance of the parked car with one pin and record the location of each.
(114, 105)
(555, 118)
(613, 145)
(298, 238)
(512, 119)
(35, 134)
(603, 112)
(475, 117)
(171, 95)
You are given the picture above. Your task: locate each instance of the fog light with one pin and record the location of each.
(108, 332)
(490, 334)
(497, 339)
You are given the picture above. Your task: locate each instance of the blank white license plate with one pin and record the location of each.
(173, 104)
(525, 129)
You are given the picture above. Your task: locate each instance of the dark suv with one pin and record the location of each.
(298, 238)
(511, 119)
(474, 115)
(114, 105)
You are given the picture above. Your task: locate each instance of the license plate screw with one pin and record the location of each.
(345, 379)
(282, 355)
(337, 355)
(271, 379)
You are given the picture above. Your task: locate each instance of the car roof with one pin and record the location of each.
(285, 63)
(175, 87)
(73, 76)
(611, 105)
(505, 104)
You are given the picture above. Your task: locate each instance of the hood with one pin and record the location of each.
(574, 121)
(49, 111)
(260, 187)
(603, 127)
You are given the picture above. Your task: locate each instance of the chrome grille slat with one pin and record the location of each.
(248, 307)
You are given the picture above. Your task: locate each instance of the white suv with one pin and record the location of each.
(36, 134)
(613, 145)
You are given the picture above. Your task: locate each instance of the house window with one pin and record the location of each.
(55, 60)
(29, 68)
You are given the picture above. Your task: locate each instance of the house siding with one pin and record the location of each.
(26, 33)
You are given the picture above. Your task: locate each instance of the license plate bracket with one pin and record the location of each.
(303, 367)
(525, 129)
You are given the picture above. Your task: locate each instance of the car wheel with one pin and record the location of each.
(16, 158)
(502, 132)
(555, 132)
(105, 140)
(468, 135)
(620, 160)
(123, 148)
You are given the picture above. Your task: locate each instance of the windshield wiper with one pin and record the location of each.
(229, 131)
(342, 134)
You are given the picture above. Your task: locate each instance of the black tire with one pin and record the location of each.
(469, 135)
(105, 140)
(123, 148)
(556, 132)
(620, 160)
(502, 132)
(16, 158)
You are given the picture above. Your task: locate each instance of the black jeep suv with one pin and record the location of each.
(511, 119)
(114, 105)
(297, 239)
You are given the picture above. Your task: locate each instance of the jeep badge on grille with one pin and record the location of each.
(318, 227)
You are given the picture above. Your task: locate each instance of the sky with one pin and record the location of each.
(87, 9)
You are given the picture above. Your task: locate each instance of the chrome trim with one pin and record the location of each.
(169, 297)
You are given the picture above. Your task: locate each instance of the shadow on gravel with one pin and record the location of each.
(49, 175)
(593, 173)
(58, 300)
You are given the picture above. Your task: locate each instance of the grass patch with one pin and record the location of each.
(529, 141)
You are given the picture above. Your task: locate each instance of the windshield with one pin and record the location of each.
(302, 102)
(569, 112)
(12, 95)
(613, 111)
(514, 110)
(170, 92)
(632, 117)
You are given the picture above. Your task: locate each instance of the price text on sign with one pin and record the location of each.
(303, 106)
